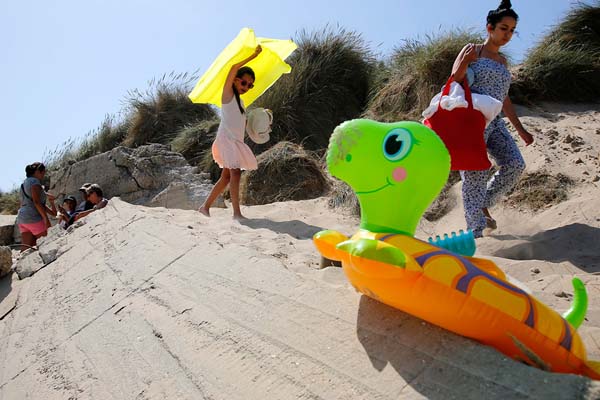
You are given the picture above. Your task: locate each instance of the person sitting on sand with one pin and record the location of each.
(96, 197)
(67, 212)
(85, 205)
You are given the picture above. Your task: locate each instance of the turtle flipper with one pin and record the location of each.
(326, 242)
(374, 250)
(380, 252)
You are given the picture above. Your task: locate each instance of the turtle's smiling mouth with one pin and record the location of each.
(388, 183)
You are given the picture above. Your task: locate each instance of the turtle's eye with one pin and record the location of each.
(397, 144)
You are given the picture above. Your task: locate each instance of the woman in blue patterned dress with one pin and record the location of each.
(491, 77)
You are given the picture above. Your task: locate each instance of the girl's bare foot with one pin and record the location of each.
(239, 217)
(204, 211)
(490, 223)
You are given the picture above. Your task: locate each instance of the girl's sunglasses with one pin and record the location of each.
(246, 83)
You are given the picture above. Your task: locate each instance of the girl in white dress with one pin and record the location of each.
(229, 149)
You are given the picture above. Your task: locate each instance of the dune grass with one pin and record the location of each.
(336, 77)
(341, 195)
(285, 172)
(156, 115)
(329, 84)
(162, 110)
(539, 189)
(9, 202)
(108, 135)
(192, 141)
(415, 72)
(565, 64)
(444, 202)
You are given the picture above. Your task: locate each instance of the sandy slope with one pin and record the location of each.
(165, 304)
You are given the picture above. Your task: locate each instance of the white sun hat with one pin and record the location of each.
(259, 124)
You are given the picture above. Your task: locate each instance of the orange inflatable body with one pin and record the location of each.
(396, 171)
(466, 295)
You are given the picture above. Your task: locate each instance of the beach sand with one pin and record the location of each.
(154, 303)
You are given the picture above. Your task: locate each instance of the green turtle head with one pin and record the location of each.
(396, 169)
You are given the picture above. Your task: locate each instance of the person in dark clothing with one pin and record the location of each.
(96, 197)
(85, 205)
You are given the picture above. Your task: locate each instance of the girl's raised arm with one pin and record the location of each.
(227, 89)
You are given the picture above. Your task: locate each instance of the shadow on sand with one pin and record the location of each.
(294, 228)
(5, 289)
(575, 243)
(441, 365)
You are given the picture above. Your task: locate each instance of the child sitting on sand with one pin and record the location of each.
(96, 197)
(67, 212)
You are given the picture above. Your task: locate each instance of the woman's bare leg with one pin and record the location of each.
(27, 241)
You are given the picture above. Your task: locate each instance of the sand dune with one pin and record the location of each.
(154, 303)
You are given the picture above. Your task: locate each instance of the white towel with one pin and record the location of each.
(489, 106)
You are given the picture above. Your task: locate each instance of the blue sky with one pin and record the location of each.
(66, 64)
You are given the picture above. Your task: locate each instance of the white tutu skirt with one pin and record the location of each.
(233, 154)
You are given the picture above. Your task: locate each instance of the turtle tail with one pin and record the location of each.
(576, 314)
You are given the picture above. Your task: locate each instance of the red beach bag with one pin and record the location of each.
(461, 130)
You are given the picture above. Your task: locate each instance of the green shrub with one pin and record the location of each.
(538, 190)
(285, 172)
(341, 195)
(10, 202)
(206, 163)
(192, 141)
(415, 73)
(107, 136)
(444, 202)
(565, 65)
(159, 115)
(329, 84)
(162, 110)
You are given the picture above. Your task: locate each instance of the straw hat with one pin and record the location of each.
(259, 125)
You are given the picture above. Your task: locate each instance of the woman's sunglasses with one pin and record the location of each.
(246, 83)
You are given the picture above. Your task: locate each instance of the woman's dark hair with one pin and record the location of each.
(71, 201)
(32, 168)
(503, 10)
(95, 188)
(241, 72)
